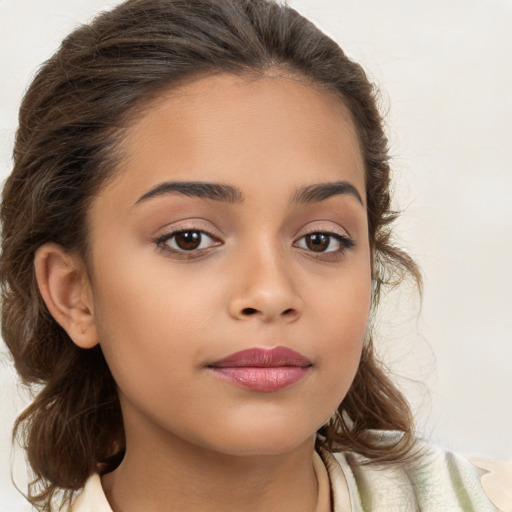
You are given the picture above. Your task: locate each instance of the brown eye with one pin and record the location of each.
(187, 241)
(325, 242)
(317, 242)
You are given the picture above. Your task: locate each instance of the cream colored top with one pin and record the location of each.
(437, 481)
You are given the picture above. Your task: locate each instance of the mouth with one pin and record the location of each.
(263, 369)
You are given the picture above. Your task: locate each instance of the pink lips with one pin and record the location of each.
(263, 369)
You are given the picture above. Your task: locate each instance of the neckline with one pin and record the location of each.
(331, 489)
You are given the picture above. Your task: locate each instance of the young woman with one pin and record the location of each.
(195, 234)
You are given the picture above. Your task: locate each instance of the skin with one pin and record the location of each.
(163, 314)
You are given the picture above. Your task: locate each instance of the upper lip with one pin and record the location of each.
(263, 358)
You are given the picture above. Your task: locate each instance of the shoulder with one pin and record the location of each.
(496, 481)
(435, 479)
(92, 498)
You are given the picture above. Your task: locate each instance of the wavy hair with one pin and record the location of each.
(70, 122)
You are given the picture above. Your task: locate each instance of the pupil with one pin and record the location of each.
(188, 240)
(317, 242)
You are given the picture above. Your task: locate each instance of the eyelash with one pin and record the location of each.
(162, 242)
(344, 241)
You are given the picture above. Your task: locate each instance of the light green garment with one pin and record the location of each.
(436, 481)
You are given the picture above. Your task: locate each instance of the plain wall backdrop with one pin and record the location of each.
(445, 72)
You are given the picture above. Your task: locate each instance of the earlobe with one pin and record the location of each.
(65, 288)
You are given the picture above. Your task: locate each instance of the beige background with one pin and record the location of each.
(445, 71)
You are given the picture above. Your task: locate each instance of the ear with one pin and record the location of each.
(64, 285)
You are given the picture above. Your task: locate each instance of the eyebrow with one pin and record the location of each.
(323, 191)
(230, 194)
(215, 191)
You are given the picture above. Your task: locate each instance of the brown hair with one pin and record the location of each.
(70, 121)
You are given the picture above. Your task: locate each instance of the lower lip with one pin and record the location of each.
(265, 379)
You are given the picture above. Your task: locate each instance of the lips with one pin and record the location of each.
(263, 369)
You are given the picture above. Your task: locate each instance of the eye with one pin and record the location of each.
(324, 242)
(187, 240)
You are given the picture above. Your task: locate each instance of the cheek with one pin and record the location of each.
(344, 313)
(344, 298)
(145, 317)
(146, 320)
(150, 343)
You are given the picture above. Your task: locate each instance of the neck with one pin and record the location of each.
(166, 473)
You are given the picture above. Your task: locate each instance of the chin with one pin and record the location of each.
(260, 440)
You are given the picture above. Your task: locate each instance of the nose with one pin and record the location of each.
(265, 288)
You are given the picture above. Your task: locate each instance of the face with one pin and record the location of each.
(230, 265)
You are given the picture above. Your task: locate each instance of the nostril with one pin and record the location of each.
(249, 311)
(288, 312)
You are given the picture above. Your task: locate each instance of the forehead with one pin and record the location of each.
(243, 131)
